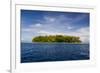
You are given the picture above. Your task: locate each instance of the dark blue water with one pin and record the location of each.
(41, 52)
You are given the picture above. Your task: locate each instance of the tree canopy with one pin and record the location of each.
(57, 38)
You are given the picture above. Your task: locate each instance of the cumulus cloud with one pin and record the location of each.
(83, 33)
(50, 19)
(38, 25)
(57, 25)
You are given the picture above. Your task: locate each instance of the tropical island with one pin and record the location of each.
(57, 38)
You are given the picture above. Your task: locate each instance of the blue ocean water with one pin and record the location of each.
(41, 52)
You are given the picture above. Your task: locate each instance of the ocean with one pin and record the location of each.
(47, 52)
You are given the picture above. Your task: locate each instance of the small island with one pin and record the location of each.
(57, 38)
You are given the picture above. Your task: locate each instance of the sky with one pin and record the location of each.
(35, 23)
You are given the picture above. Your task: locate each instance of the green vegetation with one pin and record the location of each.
(57, 38)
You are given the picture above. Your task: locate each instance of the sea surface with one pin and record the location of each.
(43, 52)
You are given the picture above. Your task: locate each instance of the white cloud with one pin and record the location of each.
(50, 19)
(58, 25)
(43, 32)
(26, 30)
(32, 27)
(69, 27)
(35, 25)
(38, 25)
(30, 32)
(83, 33)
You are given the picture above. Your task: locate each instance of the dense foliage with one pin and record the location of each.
(57, 38)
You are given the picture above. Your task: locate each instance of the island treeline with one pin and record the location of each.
(57, 38)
